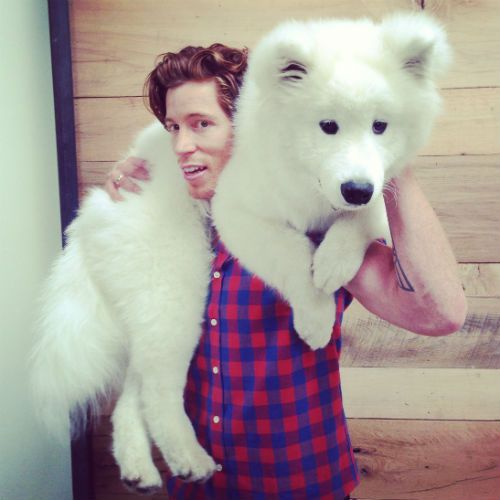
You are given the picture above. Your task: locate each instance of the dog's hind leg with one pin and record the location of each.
(163, 366)
(131, 443)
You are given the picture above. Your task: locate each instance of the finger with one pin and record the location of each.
(131, 165)
(119, 180)
(120, 177)
(140, 168)
(128, 165)
(141, 173)
(128, 185)
(112, 191)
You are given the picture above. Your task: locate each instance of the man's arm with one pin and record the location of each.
(414, 285)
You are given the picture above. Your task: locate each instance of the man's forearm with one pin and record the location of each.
(424, 266)
(415, 284)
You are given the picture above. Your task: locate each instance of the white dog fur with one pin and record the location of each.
(122, 312)
(123, 307)
(285, 175)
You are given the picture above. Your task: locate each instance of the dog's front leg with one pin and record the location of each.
(342, 251)
(282, 257)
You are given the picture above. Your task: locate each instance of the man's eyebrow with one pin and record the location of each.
(192, 115)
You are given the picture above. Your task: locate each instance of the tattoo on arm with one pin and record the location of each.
(402, 279)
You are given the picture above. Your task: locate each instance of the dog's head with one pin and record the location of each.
(348, 102)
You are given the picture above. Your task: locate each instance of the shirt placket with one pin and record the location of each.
(216, 387)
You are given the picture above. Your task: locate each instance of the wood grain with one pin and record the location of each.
(413, 393)
(420, 460)
(472, 27)
(106, 473)
(368, 341)
(470, 125)
(464, 193)
(480, 280)
(115, 43)
(397, 459)
(106, 127)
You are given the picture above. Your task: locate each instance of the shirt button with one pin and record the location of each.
(216, 419)
(218, 467)
(215, 370)
(213, 322)
(216, 274)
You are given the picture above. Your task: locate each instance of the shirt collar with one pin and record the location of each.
(222, 255)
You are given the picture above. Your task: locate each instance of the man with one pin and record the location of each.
(266, 407)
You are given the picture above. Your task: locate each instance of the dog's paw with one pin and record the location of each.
(141, 478)
(314, 323)
(137, 469)
(137, 486)
(334, 267)
(193, 464)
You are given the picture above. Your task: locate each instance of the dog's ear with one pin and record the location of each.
(419, 43)
(282, 58)
(292, 72)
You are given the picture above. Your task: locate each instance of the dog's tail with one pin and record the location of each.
(79, 356)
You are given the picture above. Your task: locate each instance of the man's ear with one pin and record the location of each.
(419, 43)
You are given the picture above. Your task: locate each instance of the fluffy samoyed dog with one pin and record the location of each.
(330, 111)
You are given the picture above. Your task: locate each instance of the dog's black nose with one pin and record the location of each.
(357, 193)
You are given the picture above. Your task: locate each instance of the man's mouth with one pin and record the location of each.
(193, 171)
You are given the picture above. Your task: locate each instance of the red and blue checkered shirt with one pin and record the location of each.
(263, 404)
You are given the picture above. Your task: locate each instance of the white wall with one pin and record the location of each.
(32, 467)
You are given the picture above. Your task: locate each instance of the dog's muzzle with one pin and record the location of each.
(357, 193)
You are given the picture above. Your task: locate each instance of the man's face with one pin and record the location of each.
(201, 135)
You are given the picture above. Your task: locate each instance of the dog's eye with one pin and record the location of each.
(379, 127)
(329, 126)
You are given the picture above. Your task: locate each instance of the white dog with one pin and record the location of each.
(329, 111)
(122, 312)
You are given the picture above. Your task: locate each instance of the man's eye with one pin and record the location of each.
(172, 127)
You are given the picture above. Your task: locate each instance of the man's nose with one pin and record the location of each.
(184, 142)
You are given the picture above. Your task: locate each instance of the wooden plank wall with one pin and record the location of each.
(424, 413)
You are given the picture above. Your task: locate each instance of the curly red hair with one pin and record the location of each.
(224, 64)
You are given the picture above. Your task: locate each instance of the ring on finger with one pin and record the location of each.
(118, 180)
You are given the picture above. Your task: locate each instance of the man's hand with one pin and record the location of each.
(121, 175)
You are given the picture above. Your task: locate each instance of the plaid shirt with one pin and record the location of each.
(266, 407)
